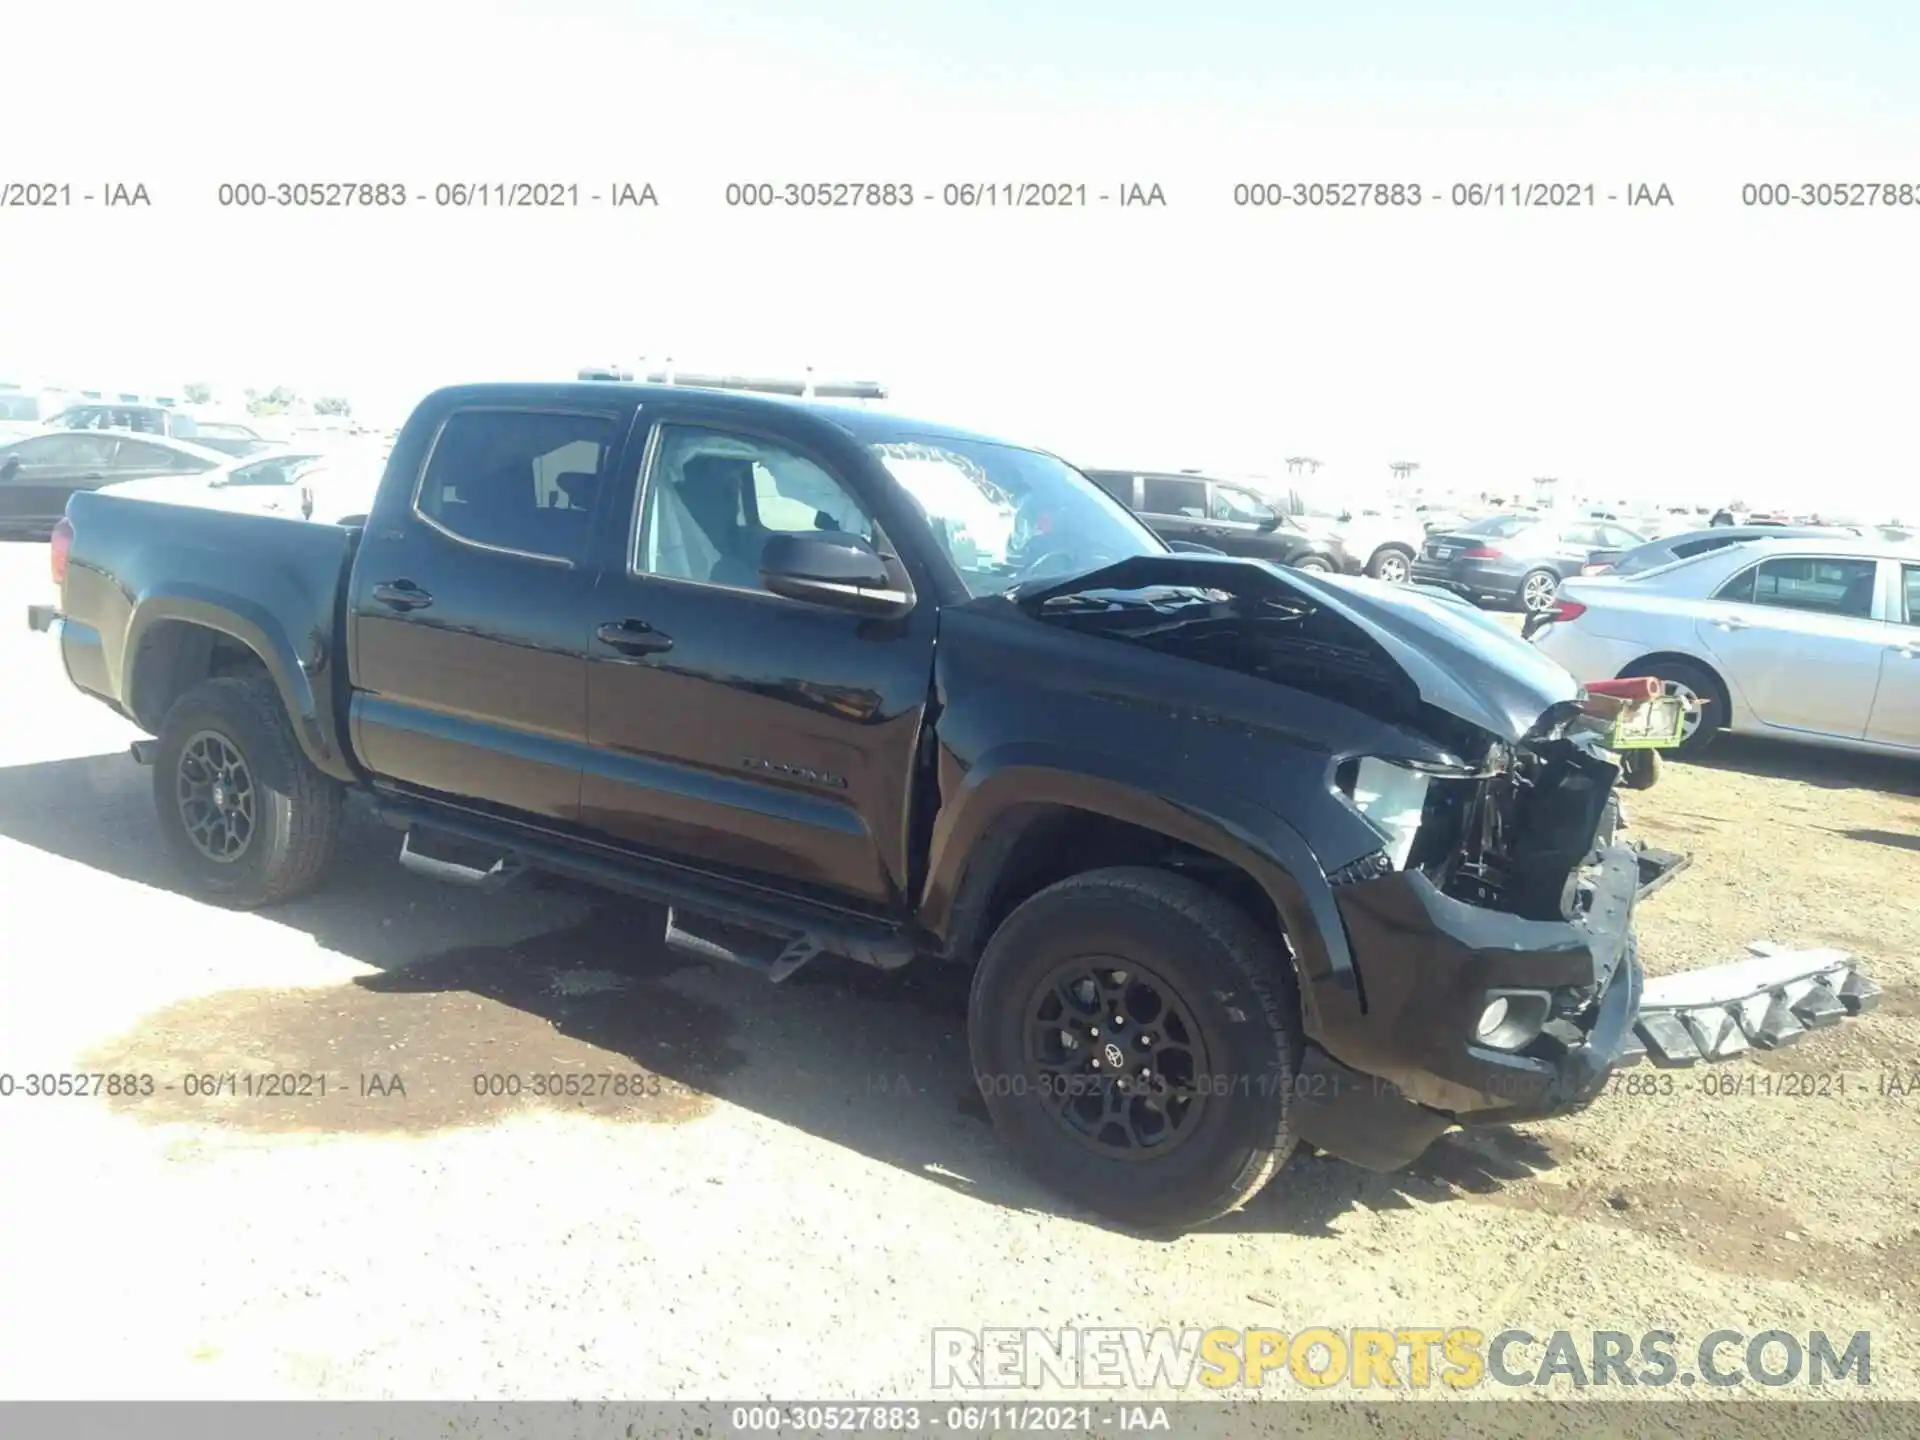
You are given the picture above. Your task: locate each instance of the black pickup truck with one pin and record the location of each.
(1240, 857)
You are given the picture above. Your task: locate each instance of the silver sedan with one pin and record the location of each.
(1816, 640)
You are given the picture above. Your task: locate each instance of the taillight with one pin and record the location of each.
(1600, 569)
(1481, 552)
(57, 552)
(1565, 610)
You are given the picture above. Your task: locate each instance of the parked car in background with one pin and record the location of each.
(22, 412)
(39, 472)
(1665, 551)
(1813, 639)
(1515, 559)
(1221, 515)
(228, 437)
(266, 483)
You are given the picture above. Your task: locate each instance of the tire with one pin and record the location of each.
(1228, 984)
(1393, 566)
(282, 844)
(1538, 590)
(1317, 564)
(1683, 677)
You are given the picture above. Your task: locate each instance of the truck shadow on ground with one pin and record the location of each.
(552, 997)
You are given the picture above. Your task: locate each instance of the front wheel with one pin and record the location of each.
(248, 818)
(1317, 564)
(1135, 1036)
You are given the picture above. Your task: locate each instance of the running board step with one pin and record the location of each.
(774, 956)
(456, 860)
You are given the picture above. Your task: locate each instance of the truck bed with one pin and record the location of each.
(141, 574)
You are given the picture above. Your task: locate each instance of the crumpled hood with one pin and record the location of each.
(1460, 660)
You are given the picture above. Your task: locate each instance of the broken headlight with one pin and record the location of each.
(1391, 796)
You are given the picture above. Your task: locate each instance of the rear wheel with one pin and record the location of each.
(1135, 1036)
(247, 817)
(1393, 566)
(1706, 700)
(1538, 591)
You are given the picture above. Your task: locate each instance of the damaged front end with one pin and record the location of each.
(1488, 896)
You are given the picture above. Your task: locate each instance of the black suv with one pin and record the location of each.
(1196, 511)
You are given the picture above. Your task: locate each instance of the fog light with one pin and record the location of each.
(1512, 1018)
(1492, 1018)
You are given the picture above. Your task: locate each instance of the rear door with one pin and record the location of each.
(52, 467)
(758, 736)
(1896, 704)
(470, 603)
(1176, 507)
(1797, 636)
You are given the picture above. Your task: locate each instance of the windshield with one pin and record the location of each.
(1006, 515)
(1501, 527)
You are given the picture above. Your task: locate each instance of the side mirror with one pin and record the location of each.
(1271, 523)
(832, 568)
(9, 467)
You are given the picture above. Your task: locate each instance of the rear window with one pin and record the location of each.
(1500, 527)
(518, 480)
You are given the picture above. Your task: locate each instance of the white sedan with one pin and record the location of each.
(1814, 640)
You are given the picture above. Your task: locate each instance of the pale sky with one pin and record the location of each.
(1708, 345)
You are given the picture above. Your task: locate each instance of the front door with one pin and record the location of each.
(471, 600)
(34, 491)
(1797, 637)
(729, 727)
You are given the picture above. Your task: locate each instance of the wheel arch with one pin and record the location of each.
(1018, 826)
(175, 641)
(1706, 667)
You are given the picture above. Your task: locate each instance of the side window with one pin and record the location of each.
(1618, 539)
(264, 472)
(517, 480)
(713, 498)
(1910, 591)
(68, 450)
(138, 455)
(1823, 586)
(1241, 507)
(1171, 495)
(1120, 487)
(1584, 537)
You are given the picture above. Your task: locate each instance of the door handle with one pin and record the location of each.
(633, 637)
(1911, 652)
(1732, 622)
(402, 595)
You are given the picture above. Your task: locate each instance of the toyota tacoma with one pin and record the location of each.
(1241, 859)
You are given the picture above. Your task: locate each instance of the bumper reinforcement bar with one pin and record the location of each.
(1768, 999)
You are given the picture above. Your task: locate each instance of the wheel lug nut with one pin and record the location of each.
(1094, 1030)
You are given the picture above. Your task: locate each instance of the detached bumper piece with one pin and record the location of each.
(1767, 1000)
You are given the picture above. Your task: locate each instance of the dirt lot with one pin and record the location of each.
(804, 1188)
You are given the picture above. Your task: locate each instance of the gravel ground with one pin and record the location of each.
(804, 1188)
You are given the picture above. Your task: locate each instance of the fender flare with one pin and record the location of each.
(298, 669)
(964, 857)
